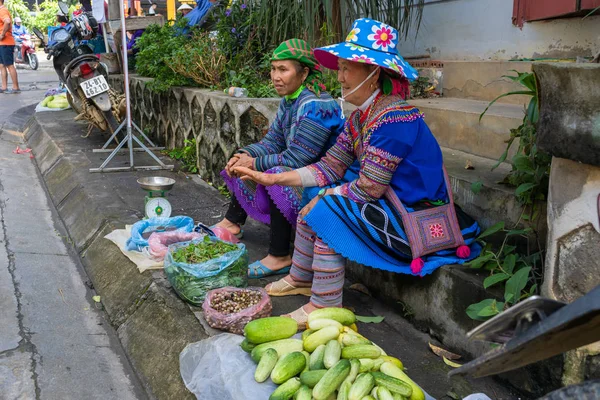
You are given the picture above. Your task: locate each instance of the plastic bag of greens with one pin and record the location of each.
(195, 267)
(141, 230)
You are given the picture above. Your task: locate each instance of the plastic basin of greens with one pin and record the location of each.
(192, 280)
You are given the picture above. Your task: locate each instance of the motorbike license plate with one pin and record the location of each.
(94, 86)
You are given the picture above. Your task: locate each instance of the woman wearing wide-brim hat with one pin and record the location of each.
(396, 212)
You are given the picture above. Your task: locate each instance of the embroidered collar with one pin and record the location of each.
(296, 94)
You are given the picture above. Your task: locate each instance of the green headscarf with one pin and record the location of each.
(299, 50)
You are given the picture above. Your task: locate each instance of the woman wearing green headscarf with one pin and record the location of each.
(307, 124)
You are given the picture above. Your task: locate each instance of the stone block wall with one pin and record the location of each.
(219, 123)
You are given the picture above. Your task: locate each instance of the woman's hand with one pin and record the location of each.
(244, 160)
(307, 208)
(258, 177)
(239, 160)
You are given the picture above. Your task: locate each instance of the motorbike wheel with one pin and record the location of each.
(589, 390)
(111, 122)
(33, 61)
(75, 103)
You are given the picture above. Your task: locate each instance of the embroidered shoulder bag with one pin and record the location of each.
(429, 230)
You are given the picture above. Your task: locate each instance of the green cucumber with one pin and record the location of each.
(384, 394)
(311, 378)
(316, 358)
(287, 390)
(265, 330)
(392, 384)
(283, 347)
(333, 352)
(247, 346)
(287, 367)
(304, 393)
(362, 386)
(265, 365)
(322, 336)
(361, 351)
(341, 315)
(332, 380)
(344, 390)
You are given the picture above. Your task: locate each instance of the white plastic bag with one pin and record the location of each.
(218, 369)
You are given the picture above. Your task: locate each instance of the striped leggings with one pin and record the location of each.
(314, 262)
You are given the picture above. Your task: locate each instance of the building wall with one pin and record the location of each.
(483, 30)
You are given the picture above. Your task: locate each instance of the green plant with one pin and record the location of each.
(18, 8)
(157, 47)
(185, 154)
(530, 167)
(200, 60)
(507, 266)
(529, 175)
(419, 88)
(284, 19)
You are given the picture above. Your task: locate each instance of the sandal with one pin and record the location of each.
(258, 270)
(300, 316)
(284, 288)
(12, 91)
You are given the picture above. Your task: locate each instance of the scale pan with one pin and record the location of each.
(156, 183)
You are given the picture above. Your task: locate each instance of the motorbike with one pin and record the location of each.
(25, 52)
(81, 72)
(536, 329)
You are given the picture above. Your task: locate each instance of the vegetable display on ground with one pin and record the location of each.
(337, 363)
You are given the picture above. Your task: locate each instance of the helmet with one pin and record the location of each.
(83, 26)
(17, 19)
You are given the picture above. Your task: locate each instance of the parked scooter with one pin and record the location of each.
(25, 52)
(84, 76)
(537, 329)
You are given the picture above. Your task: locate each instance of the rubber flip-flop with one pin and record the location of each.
(284, 288)
(12, 91)
(259, 270)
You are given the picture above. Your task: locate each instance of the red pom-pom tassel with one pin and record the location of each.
(417, 265)
(463, 251)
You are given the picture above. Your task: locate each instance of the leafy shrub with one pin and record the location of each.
(200, 60)
(157, 46)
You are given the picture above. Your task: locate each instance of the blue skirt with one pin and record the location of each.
(372, 234)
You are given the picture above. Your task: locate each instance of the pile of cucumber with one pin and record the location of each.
(331, 361)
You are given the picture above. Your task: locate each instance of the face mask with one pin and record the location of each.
(344, 96)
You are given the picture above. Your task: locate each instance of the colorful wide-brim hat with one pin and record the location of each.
(370, 42)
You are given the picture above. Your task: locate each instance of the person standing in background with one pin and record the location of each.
(7, 48)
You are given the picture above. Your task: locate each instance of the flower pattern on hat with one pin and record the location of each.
(371, 42)
(353, 35)
(363, 58)
(383, 37)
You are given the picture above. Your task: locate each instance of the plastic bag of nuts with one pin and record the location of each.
(230, 308)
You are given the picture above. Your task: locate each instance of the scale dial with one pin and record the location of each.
(158, 207)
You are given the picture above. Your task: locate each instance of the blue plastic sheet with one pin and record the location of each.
(141, 230)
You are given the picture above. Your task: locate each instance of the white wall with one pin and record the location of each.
(483, 30)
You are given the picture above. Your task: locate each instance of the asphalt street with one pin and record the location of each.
(55, 342)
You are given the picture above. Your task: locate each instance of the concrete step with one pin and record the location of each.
(482, 80)
(455, 124)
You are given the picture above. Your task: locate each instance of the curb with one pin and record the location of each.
(152, 324)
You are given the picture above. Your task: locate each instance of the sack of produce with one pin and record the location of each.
(195, 267)
(230, 309)
(141, 230)
(159, 242)
(56, 102)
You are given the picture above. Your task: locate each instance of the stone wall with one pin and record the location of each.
(219, 123)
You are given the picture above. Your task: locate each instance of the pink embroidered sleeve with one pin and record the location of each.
(333, 166)
(377, 168)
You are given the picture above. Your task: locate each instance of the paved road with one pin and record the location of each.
(54, 340)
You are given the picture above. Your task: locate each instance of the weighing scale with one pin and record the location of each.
(156, 203)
